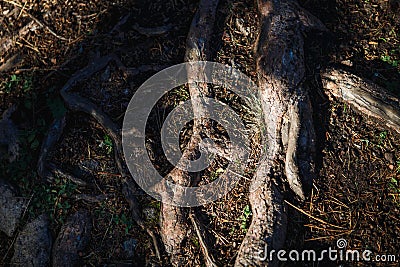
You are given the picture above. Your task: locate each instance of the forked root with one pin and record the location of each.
(289, 133)
(77, 103)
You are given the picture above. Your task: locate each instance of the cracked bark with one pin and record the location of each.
(366, 97)
(289, 132)
(175, 226)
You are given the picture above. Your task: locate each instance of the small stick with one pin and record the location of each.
(199, 230)
(312, 217)
(36, 20)
(7, 43)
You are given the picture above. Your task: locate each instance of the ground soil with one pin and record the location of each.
(355, 195)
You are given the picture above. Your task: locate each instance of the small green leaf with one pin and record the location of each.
(14, 78)
(35, 144)
(219, 170)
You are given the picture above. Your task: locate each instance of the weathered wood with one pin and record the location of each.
(365, 96)
(289, 129)
(175, 226)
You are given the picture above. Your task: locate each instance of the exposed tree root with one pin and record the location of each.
(290, 137)
(174, 224)
(151, 32)
(289, 128)
(77, 103)
(8, 131)
(60, 173)
(11, 62)
(53, 135)
(365, 96)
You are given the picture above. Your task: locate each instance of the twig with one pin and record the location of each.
(7, 42)
(199, 231)
(313, 217)
(36, 20)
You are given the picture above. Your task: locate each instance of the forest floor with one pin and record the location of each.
(355, 195)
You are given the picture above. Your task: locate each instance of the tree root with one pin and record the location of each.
(77, 103)
(174, 224)
(151, 32)
(290, 134)
(52, 137)
(365, 96)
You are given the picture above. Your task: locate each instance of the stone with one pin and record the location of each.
(72, 240)
(389, 157)
(33, 244)
(11, 208)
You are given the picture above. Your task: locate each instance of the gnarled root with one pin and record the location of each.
(365, 96)
(289, 128)
(77, 103)
(175, 226)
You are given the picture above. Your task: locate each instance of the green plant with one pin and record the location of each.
(394, 189)
(52, 199)
(181, 93)
(215, 175)
(123, 220)
(195, 241)
(11, 83)
(245, 217)
(388, 59)
(14, 82)
(107, 144)
(382, 136)
(27, 84)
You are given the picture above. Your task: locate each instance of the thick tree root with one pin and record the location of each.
(289, 128)
(365, 96)
(8, 136)
(175, 227)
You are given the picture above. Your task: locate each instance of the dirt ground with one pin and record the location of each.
(355, 195)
